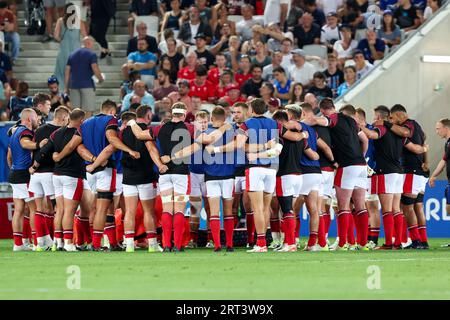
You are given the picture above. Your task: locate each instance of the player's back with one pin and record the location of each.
(71, 165)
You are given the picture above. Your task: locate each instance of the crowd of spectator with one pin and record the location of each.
(209, 52)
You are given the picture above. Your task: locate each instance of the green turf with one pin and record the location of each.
(203, 274)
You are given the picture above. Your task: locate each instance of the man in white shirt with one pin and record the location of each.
(330, 32)
(286, 48)
(301, 71)
(244, 27)
(276, 11)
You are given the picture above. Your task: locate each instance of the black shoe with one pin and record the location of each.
(82, 248)
(117, 248)
(103, 55)
(219, 249)
(230, 249)
(60, 249)
(167, 249)
(100, 249)
(423, 246)
(414, 245)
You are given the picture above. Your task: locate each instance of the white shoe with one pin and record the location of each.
(210, 244)
(288, 248)
(70, 247)
(106, 241)
(48, 242)
(314, 248)
(298, 243)
(405, 244)
(258, 249)
(354, 247)
(21, 248)
(337, 248)
(129, 249)
(155, 248)
(277, 249)
(371, 245)
(326, 248)
(274, 244)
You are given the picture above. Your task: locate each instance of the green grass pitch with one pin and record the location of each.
(203, 274)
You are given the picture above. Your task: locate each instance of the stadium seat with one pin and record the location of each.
(152, 23)
(235, 18)
(315, 50)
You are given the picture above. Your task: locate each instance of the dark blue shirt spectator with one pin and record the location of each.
(364, 46)
(81, 72)
(5, 66)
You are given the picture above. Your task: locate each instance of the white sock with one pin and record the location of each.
(59, 242)
(67, 242)
(41, 241)
(48, 239)
(25, 242)
(152, 242)
(129, 242)
(275, 236)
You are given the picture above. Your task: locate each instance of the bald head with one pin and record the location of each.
(29, 118)
(311, 99)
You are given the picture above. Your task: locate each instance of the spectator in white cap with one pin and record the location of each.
(302, 71)
(330, 31)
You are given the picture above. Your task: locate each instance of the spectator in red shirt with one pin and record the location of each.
(226, 79)
(188, 72)
(243, 73)
(233, 95)
(214, 73)
(201, 87)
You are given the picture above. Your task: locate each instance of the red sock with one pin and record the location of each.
(97, 239)
(289, 228)
(151, 234)
(129, 234)
(423, 233)
(85, 227)
(312, 238)
(342, 225)
(34, 237)
(110, 232)
(167, 225)
(79, 231)
(405, 230)
(362, 225)
(261, 240)
(351, 229)
(250, 227)
(214, 222)
(58, 234)
(228, 225)
(187, 231)
(18, 238)
(297, 228)
(40, 224)
(68, 234)
(321, 234)
(327, 221)
(49, 219)
(275, 225)
(398, 228)
(178, 226)
(388, 225)
(414, 233)
(26, 231)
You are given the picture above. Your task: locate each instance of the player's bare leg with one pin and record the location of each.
(148, 207)
(104, 200)
(275, 224)
(194, 219)
(58, 236)
(311, 206)
(407, 201)
(249, 217)
(298, 204)
(129, 221)
(386, 201)
(422, 222)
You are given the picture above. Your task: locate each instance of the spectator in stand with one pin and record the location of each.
(171, 19)
(276, 62)
(307, 32)
(226, 79)
(141, 29)
(164, 85)
(297, 94)
(344, 48)
(142, 61)
(361, 64)
(141, 8)
(220, 19)
(406, 16)
(350, 14)
(101, 13)
(372, 47)
(196, 104)
(249, 46)
(201, 87)
(58, 97)
(329, 5)
(302, 71)
(167, 64)
(140, 91)
(233, 95)
(20, 100)
(286, 48)
(253, 85)
(78, 81)
(233, 53)
(234, 7)
(320, 88)
(312, 100)
(52, 8)
(182, 95)
(243, 72)
(432, 7)
(245, 26)
(350, 79)
(188, 72)
(330, 31)
(6, 72)
(389, 32)
(8, 25)
(205, 11)
(214, 73)
(276, 11)
(175, 57)
(276, 36)
(193, 26)
(317, 13)
(267, 91)
(68, 37)
(282, 85)
(335, 77)
(387, 4)
(261, 57)
(273, 105)
(295, 13)
(204, 56)
(127, 85)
